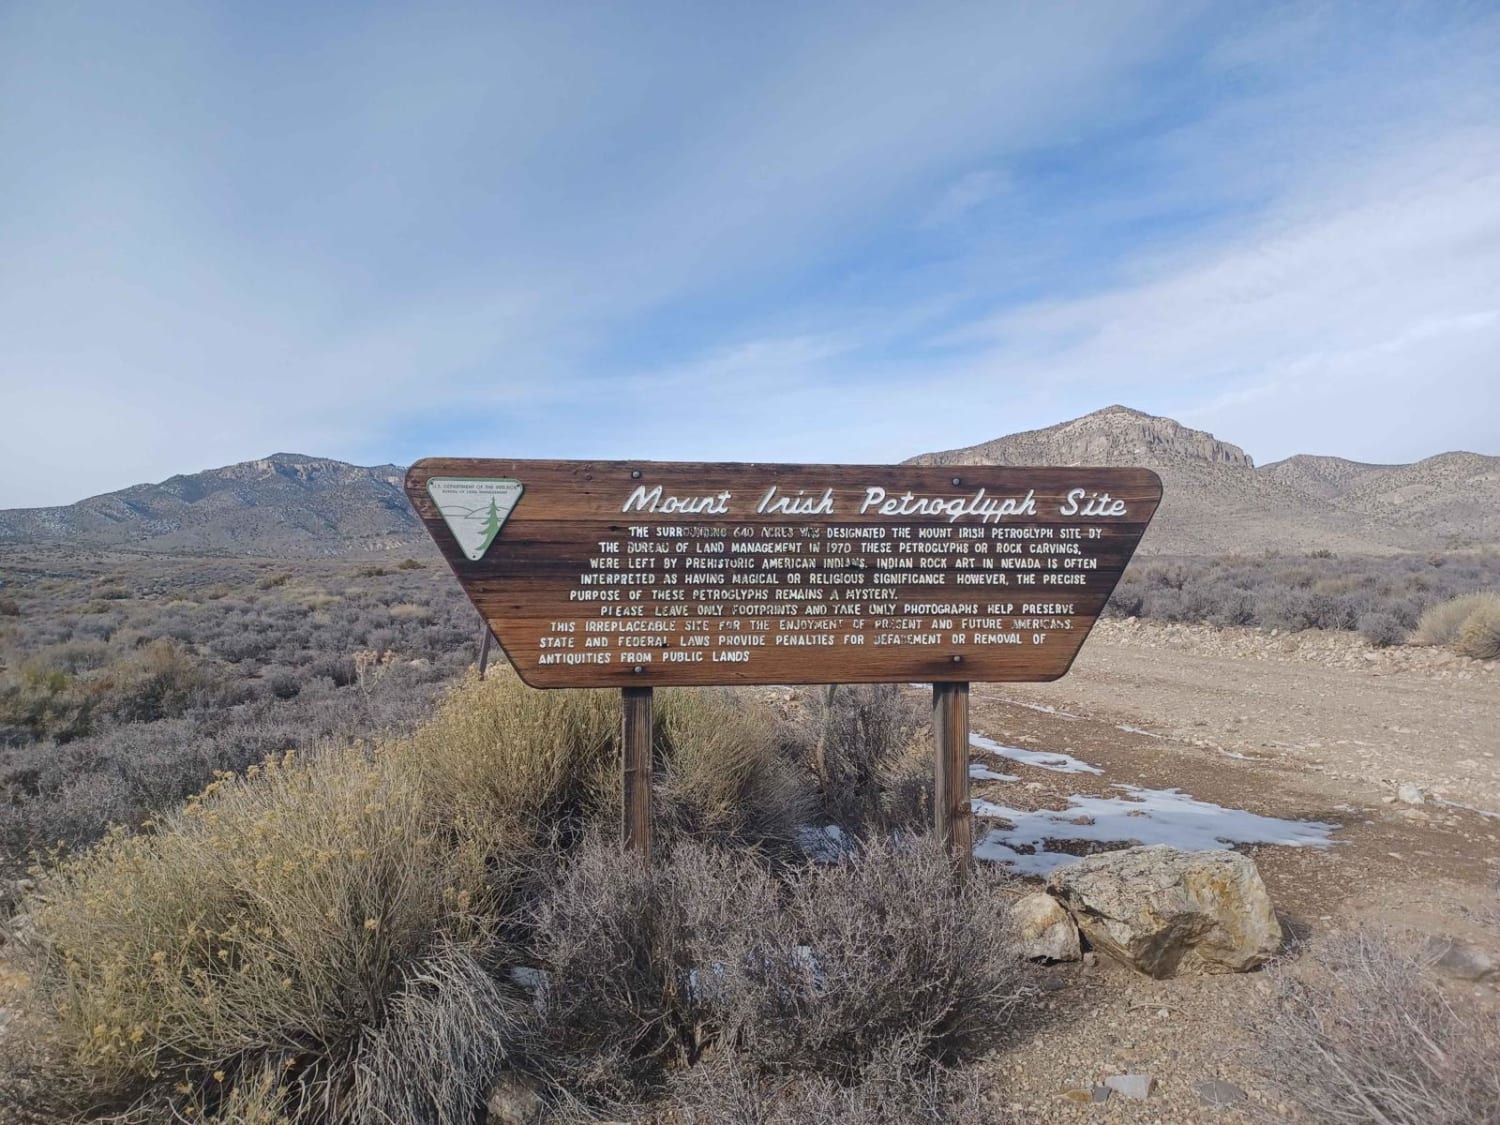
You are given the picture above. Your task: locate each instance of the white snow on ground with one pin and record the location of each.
(1058, 763)
(984, 773)
(1142, 816)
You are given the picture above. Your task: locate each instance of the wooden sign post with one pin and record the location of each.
(643, 574)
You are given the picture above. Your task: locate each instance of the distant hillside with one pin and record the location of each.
(286, 504)
(1217, 500)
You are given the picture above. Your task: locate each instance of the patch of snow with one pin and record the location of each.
(1057, 763)
(1128, 729)
(1142, 816)
(984, 773)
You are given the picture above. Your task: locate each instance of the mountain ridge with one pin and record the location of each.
(1216, 499)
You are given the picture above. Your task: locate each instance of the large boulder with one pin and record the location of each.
(1166, 911)
(1046, 930)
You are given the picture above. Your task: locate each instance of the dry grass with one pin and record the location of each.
(1479, 637)
(1360, 1033)
(270, 919)
(512, 765)
(340, 921)
(1443, 624)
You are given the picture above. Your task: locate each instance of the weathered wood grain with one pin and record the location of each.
(648, 619)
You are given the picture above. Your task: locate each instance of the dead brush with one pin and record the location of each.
(866, 744)
(1359, 1032)
(726, 1091)
(819, 972)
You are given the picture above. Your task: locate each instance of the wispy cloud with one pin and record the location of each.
(837, 233)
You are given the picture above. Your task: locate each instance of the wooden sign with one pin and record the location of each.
(638, 574)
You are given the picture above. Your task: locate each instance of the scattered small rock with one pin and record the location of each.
(1135, 1087)
(514, 1100)
(1048, 932)
(1218, 1093)
(1164, 911)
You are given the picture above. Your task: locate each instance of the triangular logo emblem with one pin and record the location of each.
(474, 508)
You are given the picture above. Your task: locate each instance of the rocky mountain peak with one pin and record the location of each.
(1116, 435)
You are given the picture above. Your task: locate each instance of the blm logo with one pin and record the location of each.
(474, 508)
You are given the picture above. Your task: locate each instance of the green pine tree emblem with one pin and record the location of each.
(491, 524)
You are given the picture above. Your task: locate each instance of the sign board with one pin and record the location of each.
(644, 574)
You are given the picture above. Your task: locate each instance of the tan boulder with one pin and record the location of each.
(1166, 912)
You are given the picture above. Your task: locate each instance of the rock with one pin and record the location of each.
(1409, 794)
(1100, 1094)
(1047, 930)
(1136, 1087)
(1165, 911)
(514, 1100)
(1460, 960)
(1218, 1093)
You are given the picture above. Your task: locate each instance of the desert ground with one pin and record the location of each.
(1363, 780)
(1308, 727)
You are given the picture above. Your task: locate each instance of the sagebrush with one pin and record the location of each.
(1358, 1031)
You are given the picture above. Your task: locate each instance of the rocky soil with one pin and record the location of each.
(1316, 727)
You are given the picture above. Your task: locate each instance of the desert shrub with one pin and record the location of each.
(410, 564)
(726, 1090)
(1360, 1033)
(1315, 591)
(447, 1034)
(44, 701)
(1381, 629)
(1442, 623)
(536, 764)
(725, 774)
(284, 684)
(866, 744)
(520, 762)
(878, 961)
(160, 681)
(9, 607)
(1480, 636)
(272, 581)
(879, 957)
(275, 918)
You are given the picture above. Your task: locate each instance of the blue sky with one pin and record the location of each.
(833, 232)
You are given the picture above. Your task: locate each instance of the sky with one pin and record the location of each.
(798, 232)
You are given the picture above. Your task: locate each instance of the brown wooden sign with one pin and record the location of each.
(643, 574)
